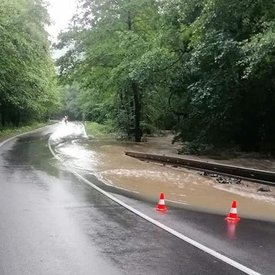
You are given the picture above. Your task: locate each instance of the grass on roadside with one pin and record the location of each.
(98, 131)
(13, 131)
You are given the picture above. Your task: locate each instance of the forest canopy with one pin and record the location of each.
(202, 68)
(28, 84)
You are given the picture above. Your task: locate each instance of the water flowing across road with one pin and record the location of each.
(54, 222)
(107, 161)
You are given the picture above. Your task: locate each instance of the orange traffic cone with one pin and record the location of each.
(161, 205)
(233, 216)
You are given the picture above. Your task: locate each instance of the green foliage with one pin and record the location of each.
(12, 131)
(27, 75)
(98, 131)
(224, 88)
(121, 56)
(204, 68)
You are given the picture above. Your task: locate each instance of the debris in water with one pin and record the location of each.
(223, 179)
(264, 188)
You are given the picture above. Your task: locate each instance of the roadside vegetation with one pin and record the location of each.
(28, 82)
(98, 131)
(8, 132)
(203, 69)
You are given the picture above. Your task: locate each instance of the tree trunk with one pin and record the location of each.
(137, 105)
(17, 118)
(3, 115)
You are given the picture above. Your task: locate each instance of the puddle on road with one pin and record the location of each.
(108, 161)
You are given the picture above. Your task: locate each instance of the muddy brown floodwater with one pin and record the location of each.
(179, 184)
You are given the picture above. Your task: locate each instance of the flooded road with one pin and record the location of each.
(54, 223)
(107, 160)
(58, 218)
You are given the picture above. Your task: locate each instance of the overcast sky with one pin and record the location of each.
(61, 11)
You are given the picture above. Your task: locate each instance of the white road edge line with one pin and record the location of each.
(160, 225)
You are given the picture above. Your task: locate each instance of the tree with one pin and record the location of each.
(120, 56)
(223, 100)
(27, 75)
(205, 67)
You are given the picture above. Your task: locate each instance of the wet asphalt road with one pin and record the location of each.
(53, 223)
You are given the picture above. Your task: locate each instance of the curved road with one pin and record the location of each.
(54, 223)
